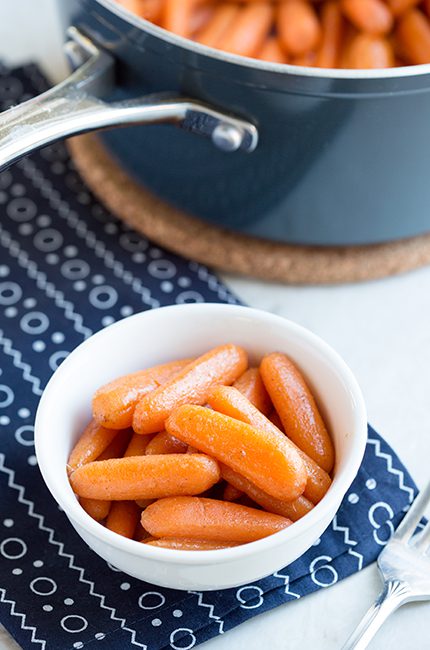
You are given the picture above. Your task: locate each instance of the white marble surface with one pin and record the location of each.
(382, 329)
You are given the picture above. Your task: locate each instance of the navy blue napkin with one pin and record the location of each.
(67, 269)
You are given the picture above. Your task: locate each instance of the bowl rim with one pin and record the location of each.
(115, 7)
(320, 511)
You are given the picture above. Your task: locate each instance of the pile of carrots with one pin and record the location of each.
(203, 453)
(354, 34)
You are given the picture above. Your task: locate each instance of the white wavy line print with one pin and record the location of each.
(359, 557)
(61, 552)
(81, 229)
(6, 344)
(344, 530)
(286, 579)
(13, 612)
(211, 609)
(390, 468)
(212, 282)
(42, 283)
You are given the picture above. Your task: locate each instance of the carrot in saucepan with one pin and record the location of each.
(145, 477)
(227, 400)
(251, 385)
(222, 365)
(123, 518)
(293, 510)
(177, 16)
(200, 518)
(366, 52)
(298, 27)
(266, 458)
(297, 408)
(398, 7)
(328, 53)
(272, 51)
(247, 33)
(114, 403)
(370, 16)
(223, 16)
(413, 34)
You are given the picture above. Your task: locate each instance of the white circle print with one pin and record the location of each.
(251, 602)
(6, 396)
(21, 209)
(186, 640)
(48, 240)
(75, 269)
(10, 293)
(74, 623)
(35, 322)
(103, 297)
(13, 553)
(380, 515)
(323, 574)
(43, 586)
(162, 269)
(146, 600)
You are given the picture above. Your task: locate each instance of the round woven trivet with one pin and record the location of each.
(234, 252)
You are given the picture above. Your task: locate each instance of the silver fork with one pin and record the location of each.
(405, 569)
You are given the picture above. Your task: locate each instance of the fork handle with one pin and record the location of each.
(394, 594)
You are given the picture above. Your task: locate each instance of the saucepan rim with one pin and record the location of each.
(280, 68)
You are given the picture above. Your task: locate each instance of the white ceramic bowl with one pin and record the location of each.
(170, 333)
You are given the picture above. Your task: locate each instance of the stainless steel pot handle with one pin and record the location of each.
(74, 106)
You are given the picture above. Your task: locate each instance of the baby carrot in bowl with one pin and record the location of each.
(251, 386)
(180, 544)
(145, 477)
(265, 457)
(222, 365)
(209, 519)
(297, 408)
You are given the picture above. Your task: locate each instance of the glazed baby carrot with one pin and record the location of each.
(370, 16)
(227, 400)
(118, 445)
(328, 54)
(145, 477)
(413, 34)
(90, 445)
(272, 51)
(144, 503)
(96, 508)
(399, 7)
(293, 510)
(297, 408)
(190, 544)
(114, 403)
(266, 458)
(177, 15)
(298, 27)
(231, 493)
(222, 365)
(222, 18)
(276, 420)
(199, 518)
(247, 33)
(367, 52)
(123, 518)
(251, 385)
(137, 445)
(164, 443)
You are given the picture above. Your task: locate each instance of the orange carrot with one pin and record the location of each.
(199, 518)
(117, 447)
(227, 400)
(413, 33)
(297, 408)
(144, 503)
(145, 477)
(222, 365)
(222, 18)
(164, 443)
(399, 7)
(251, 385)
(201, 15)
(272, 51)
(275, 419)
(114, 403)
(368, 52)
(190, 544)
(177, 16)
(370, 16)
(137, 445)
(94, 440)
(231, 493)
(298, 27)
(96, 508)
(293, 510)
(247, 33)
(328, 54)
(266, 458)
(123, 518)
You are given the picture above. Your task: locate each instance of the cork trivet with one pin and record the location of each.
(234, 252)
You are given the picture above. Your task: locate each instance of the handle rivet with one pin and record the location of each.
(227, 137)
